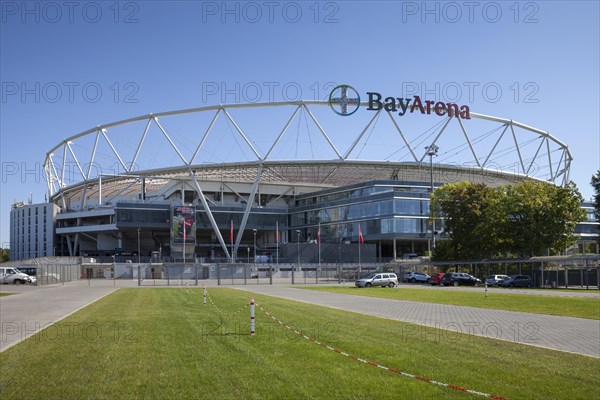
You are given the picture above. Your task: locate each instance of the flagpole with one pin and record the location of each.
(360, 240)
(277, 240)
(231, 240)
(359, 263)
(319, 242)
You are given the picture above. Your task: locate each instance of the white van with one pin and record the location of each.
(13, 275)
(261, 259)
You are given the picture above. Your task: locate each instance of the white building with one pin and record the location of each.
(32, 230)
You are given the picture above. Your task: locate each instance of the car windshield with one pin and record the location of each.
(371, 276)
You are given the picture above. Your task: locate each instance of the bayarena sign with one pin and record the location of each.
(348, 105)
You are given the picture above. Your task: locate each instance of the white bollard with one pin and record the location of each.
(204, 294)
(486, 289)
(251, 317)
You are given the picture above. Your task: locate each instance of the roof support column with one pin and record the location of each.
(209, 214)
(242, 227)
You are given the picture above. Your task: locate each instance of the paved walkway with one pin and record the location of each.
(576, 335)
(36, 307)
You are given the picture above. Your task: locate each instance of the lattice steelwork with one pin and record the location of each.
(110, 160)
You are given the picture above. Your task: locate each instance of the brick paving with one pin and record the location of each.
(34, 308)
(576, 335)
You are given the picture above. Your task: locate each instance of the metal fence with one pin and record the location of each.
(292, 274)
(243, 273)
(554, 271)
(170, 274)
(50, 274)
(563, 271)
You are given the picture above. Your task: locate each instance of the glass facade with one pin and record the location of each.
(394, 215)
(159, 216)
(259, 218)
(383, 209)
(143, 215)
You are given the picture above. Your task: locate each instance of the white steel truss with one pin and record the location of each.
(58, 185)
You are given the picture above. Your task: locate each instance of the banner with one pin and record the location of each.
(361, 239)
(183, 227)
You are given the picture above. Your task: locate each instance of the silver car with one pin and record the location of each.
(494, 280)
(13, 275)
(380, 279)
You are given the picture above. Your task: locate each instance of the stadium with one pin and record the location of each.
(265, 181)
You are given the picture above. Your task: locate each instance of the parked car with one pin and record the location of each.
(494, 280)
(517, 281)
(13, 275)
(261, 259)
(382, 279)
(435, 279)
(31, 271)
(48, 277)
(458, 279)
(414, 277)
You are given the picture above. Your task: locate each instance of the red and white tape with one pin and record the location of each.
(374, 364)
(226, 313)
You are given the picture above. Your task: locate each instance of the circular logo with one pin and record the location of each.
(344, 100)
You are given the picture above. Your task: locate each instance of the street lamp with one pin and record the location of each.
(432, 150)
(297, 251)
(340, 248)
(340, 257)
(298, 246)
(139, 254)
(254, 230)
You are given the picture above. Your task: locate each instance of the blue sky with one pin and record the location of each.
(66, 68)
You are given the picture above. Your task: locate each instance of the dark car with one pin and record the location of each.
(435, 279)
(31, 271)
(459, 279)
(517, 281)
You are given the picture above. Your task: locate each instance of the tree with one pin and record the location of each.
(526, 219)
(468, 210)
(596, 185)
(540, 217)
(4, 255)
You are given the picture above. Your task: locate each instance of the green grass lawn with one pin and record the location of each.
(5, 294)
(547, 304)
(160, 344)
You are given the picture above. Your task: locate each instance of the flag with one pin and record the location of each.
(231, 232)
(319, 234)
(276, 231)
(361, 239)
